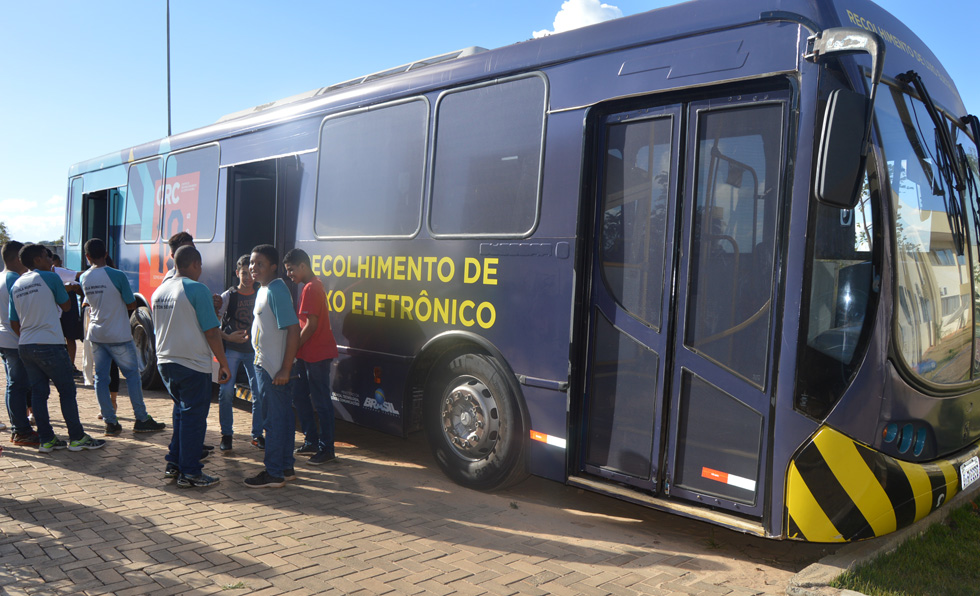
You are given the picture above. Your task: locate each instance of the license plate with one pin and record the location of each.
(969, 472)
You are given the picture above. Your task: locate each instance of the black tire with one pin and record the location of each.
(475, 423)
(141, 325)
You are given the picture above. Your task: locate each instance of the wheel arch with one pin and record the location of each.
(443, 348)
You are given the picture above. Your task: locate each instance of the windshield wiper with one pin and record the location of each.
(972, 186)
(947, 161)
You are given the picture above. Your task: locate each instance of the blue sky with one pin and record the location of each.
(82, 79)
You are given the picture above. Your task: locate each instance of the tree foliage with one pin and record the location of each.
(4, 234)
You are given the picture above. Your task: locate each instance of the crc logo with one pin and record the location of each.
(169, 194)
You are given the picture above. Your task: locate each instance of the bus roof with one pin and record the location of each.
(905, 51)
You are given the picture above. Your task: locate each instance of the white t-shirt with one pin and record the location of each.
(274, 313)
(8, 339)
(182, 312)
(34, 300)
(107, 292)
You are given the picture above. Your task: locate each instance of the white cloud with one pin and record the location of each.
(579, 13)
(33, 221)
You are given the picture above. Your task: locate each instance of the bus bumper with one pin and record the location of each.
(839, 490)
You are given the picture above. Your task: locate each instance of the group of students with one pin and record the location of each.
(35, 353)
(286, 354)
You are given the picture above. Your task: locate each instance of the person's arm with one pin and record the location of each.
(213, 336)
(235, 337)
(307, 332)
(292, 346)
(15, 326)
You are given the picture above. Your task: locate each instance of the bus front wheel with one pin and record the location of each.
(141, 325)
(475, 424)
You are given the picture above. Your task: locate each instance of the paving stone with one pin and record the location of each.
(381, 520)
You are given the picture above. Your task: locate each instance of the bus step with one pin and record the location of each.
(618, 491)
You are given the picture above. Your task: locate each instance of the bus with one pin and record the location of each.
(719, 259)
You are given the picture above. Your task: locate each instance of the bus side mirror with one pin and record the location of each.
(845, 135)
(841, 158)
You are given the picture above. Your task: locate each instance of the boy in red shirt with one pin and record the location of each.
(317, 349)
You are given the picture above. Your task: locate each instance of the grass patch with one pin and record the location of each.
(944, 561)
(238, 586)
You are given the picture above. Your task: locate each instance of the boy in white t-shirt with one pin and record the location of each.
(37, 299)
(110, 298)
(275, 337)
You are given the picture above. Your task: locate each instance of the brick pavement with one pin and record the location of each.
(380, 520)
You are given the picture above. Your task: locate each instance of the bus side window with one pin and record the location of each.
(487, 164)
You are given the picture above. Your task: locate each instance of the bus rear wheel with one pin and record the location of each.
(475, 423)
(141, 326)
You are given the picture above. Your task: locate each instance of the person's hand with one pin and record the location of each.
(224, 373)
(238, 337)
(216, 300)
(282, 377)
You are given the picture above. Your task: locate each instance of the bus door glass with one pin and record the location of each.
(630, 295)
(721, 377)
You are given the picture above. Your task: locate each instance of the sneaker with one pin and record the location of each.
(76, 373)
(259, 442)
(321, 457)
(209, 447)
(200, 481)
(264, 480)
(225, 443)
(112, 429)
(86, 442)
(289, 474)
(171, 471)
(31, 439)
(307, 447)
(204, 454)
(52, 445)
(148, 426)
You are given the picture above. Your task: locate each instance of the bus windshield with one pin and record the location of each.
(934, 314)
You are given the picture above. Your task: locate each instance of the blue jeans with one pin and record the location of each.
(311, 393)
(124, 355)
(280, 423)
(226, 394)
(18, 390)
(191, 392)
(46, 362)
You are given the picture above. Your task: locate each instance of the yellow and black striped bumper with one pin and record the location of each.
(839, 490)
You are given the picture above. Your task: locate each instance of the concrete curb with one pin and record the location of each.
(814, 580)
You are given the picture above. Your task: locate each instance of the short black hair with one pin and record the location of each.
(30, 252)
(268, 251)
(11, 251)
(297, 256)
(179, 239)
(242, 262)
(186, 256)
(95, 248)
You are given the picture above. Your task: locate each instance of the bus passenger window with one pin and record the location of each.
(487, 165)
(370, 172)
(75, 212)
(142, 208)
(190, 195)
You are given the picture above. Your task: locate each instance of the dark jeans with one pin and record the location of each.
(18, 390)
(311, 393)
(46, 362)
(191, 392)
(280, 423)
